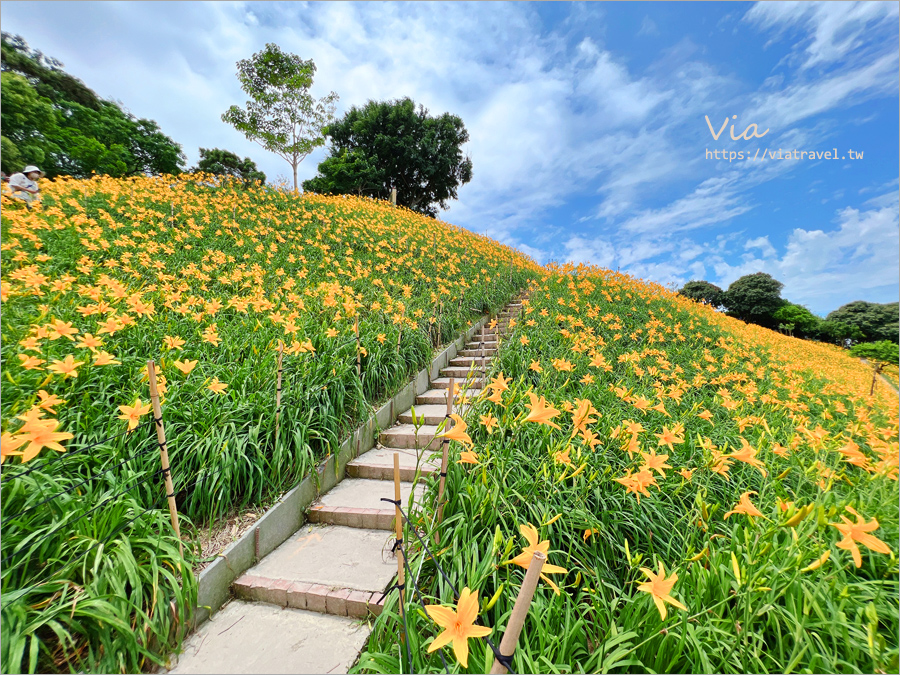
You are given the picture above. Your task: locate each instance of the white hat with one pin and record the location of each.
(31, 167)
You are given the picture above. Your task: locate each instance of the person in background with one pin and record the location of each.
(24, 185)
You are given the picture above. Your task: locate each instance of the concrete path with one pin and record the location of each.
(305, 608)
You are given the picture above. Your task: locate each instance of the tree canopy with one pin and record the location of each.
(800, 319)
(54, 120)
(281, 115)
(754, 298)
(703, 291)
(395, 145)
(225, 163)
(875, 321)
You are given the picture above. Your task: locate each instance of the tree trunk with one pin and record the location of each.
(294, 167)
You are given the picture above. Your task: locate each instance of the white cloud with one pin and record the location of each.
(763, 244)
(834, 29)
(828, 269)
(648, 27)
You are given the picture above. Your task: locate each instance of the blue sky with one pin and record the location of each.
(586, 120)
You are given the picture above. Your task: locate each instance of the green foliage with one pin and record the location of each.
(226, 163)
(801, 319)
(52, 119)
(838, 331)
(884, 351)
(875, 321)
(28, 122)
(703, 291)
(754, 298)
(281, 116)
(391, 144)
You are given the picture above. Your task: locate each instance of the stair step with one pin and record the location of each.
(466, 361)
(248, 637)
(356, 502)
(433, 397)
(488, 351)
(432, 414)
(461, 372)
(329, 556)
(378, 464)
(404, 436)
(444, 383)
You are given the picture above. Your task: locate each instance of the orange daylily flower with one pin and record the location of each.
(745, 506)
(30, 362)
(540, 412)
(41, 434)
(173, 342)
(489, 422)
(103, 358)
(858, 532)
(524, 558)
(216, 386)
(467, 457)
(8, 445)
(656, 462)
(133, 414)
(67, 367)
(582, 415)
(747, 454)
(660, 589)
(458, 432)
(185, 366)
(49, 400)
(458, 625)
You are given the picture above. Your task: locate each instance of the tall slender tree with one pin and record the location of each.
(281, 115)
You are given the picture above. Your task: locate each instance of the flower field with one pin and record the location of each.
(712, 497)
(207, 282)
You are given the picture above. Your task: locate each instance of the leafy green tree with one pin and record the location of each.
(392, 144)
(226, 163)
(28, 122)
(703, 291)
(875, 321)
(838, 331)
(884, 351)
(55, 121)
(754, 298)
(281, 116)
(799, 318)
(45, 72)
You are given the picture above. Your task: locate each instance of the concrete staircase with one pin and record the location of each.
(303, 608)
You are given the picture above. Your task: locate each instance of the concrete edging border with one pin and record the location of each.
(287, 515)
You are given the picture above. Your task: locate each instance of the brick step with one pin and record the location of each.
(311, 597)
(355, 502)
(466, 361)
(330, 569)
(432, 414)
(444, 383)
(462, 372)
(433, 397)
(378, 464)
(488, 351)
(404, 436)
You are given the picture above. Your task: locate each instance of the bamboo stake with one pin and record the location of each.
(399, 530)
(163, 451)
(278, 392)
(520, 611)
(446, 448)
(358, 362)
